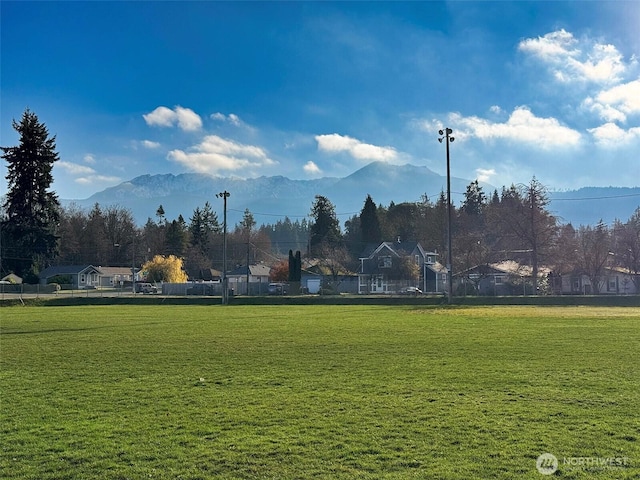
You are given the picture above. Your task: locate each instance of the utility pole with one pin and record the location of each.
(225, 291)
(446, 135)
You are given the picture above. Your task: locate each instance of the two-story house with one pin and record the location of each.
(391, 266)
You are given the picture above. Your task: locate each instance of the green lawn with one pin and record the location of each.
(196, 392)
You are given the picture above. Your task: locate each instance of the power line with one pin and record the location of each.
(608, 197)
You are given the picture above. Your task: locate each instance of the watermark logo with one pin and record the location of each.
(547, 464)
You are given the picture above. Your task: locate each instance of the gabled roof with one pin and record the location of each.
(110, 271)
(12, 278)
(506, 267)
(255, 270)
(67, 270)
(399, 249)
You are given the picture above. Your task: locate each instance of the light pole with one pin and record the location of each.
(225, 292)
(446, 135)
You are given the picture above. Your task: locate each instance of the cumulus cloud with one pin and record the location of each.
(571, 59)
(611, 135)
(616, 103)
(232, 118)
(626, 97)
(311, 168)
(484, 174)
(335, 143)
(185, 118)
(522, 126)
(214, 154)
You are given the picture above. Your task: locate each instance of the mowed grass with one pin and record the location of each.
(295, 392)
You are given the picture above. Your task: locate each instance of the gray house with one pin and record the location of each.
(78, 276)
(390, 266)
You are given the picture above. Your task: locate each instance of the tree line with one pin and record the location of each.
(513, 223)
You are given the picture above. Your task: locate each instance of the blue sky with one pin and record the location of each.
(304, 90)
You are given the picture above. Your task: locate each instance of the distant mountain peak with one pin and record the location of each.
(271, 198)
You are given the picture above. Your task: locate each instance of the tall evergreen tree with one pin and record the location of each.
(325, 230)
(370, 223)
(31, 210)
(474, 199)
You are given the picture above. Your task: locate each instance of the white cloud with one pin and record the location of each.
(616, 103)
(86, 175)
(311, 168)
(572, 60)
(88, 158)
(522, 126)
(605, 112)
(215, 153)
(232, 118)
(335, 143)
(97, 179)
(185, 118)
(75, 169)
(150, 145)
(626, 97)
(611, 135)
(485, 174)
(160, 117)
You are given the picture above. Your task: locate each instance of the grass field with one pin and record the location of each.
(296, 392)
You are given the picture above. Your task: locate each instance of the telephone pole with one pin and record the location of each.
(225, 290)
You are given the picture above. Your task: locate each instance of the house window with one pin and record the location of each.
(417, 259)
(576, 285)
(499, 279)
(611, 285)
(384, 262)
(430, 259)
(83, 278)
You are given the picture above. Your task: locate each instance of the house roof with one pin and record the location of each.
(506, 267)
(67, 270)
(110, 271)
(254, 270)
(12, 278)
(400, 249)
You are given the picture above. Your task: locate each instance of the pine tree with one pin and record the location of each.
(370, 223)
(31, 210)
(325, 230)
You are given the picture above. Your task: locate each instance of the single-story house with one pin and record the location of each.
(258, 279)
(327, 275)
(614, 281)
(502, 278)
(77, 276)
(116, 276)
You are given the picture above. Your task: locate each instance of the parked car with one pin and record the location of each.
(410, 291)
(278, 289)
(146, 288)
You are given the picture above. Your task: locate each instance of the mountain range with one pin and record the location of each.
(272, 198)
